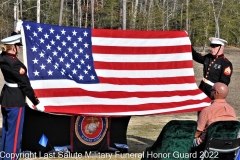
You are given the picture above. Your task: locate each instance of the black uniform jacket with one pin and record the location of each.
(14, 71)
(215, 69)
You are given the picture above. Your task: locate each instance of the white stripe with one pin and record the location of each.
(140, 42)
(63, 83)
(149, 112)
(145, 73)
(142, 57)
(87, 100)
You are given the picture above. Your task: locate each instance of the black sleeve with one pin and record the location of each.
(20, 73)
(197, 56)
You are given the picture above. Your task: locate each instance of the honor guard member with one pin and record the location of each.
(216, 67)
(17, 86)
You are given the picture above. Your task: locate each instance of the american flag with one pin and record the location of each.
(103, 72)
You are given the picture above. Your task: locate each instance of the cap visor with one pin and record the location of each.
(19, 44)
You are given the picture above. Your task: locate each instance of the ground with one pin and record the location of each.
(143, 130)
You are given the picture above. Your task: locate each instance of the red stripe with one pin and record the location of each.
(41, 93)
(143, 65)
(137, 34)
(141, 50)
(83, 109)
(148, 81)
(17, 131)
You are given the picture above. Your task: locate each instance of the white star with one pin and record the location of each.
(42, 66)
(40, 29)
(85, 34)
(59, 48)
(34, 49)
(69, 38)
(61, 59)
(75, 55)
(85, 71)
(56, 65)
(48, 47)
(49, 60)
(80, 39)
(69, 49)
(28, 27)
(63, 31)
(86, 45)
(51, 31)
(52, 42)
(80, 50)
(50, 73)
(35, 61)
(68, 65)
(82, 61)
(89, 67)
(41, 54)
(75, 44)
(55, 53)
(72, 60)
(41, 40)
(80, 77)
(64, 43)
(57, 37)
(46, 36)
(74, 71)
(86, 56)
(34, 34)
(92, 77)
(65, 54)
(74, 33)
(36, 73)
(78, 66)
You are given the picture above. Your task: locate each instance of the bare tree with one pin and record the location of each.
(79, 13)
(216, 17)
(124, 4)
(92, 15)
(134, 14)
(38, 11)
(60, 13)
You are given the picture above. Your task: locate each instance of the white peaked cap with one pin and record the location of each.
(12, 39)
(219, 41)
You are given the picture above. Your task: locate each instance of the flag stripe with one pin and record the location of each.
(138, 34)
(148, 81)
(69, 92)
(62, 83)
(141, 50)
(134, 109)
(143, 66)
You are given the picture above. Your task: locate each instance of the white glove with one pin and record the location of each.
(18, 25)
(39, 107)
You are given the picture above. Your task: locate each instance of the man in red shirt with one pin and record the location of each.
(219, 110)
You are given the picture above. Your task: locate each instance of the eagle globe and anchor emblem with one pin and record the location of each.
(91, 130)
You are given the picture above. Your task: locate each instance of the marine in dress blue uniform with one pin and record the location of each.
(216, 67)
(17, 86)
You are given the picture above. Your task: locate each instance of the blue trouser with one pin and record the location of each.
(12, 128)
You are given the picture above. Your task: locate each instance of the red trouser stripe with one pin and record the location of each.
(17, 130)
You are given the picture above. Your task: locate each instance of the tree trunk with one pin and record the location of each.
(60, 13)
(124, 3)
(38, 10)
(134, 14)
(79, 14)
(92, 15)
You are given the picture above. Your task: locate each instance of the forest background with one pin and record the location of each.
(200, 18)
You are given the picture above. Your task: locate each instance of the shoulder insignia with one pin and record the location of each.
(22, 70)
(227, 71)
